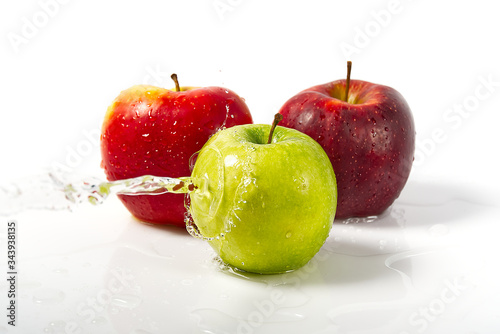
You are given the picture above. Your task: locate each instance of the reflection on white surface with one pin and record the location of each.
(424, 266)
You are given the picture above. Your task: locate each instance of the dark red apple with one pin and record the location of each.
(149, 130)
(370, 140)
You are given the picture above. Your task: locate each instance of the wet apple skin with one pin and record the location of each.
(370, 140)
(155, 131)
(265, 208)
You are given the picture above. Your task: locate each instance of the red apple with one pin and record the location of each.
(370, 140)
(149, 130)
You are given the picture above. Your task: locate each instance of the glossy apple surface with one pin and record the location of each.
(149, 130)
(370, 140)
(267, 208)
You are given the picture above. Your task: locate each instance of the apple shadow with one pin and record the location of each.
(357, 248)
(170, 229)
(162, 263)
(447, 202)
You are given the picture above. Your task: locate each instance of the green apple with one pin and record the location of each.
(265, 206)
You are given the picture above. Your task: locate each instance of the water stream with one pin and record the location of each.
(56, 190)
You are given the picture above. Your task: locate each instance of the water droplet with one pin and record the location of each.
(99, 320)
(55, 327)
(162, 249)
(438, 230)
(288, 235)
(187, 282)
(214, 321)
(140, 331)
(48, 296)
(126, 301)
(152, 116)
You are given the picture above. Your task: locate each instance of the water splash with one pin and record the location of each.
(48, 296)
(95, 191)
(56, 190)
(191, 226)
(59, 191)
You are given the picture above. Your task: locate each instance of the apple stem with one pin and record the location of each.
(348, 80)
(277, 118)
(177, 87)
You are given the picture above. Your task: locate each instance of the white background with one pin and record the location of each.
(60, 81)
(57, 79)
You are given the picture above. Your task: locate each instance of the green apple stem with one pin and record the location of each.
(277, 118)
(348, 80)
(177, 87)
